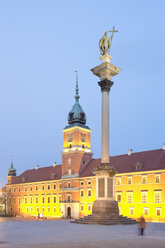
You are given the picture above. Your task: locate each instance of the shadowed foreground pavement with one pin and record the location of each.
(61, 234)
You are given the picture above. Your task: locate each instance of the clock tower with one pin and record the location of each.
(77, 147)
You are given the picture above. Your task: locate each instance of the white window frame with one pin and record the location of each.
(146, 209)
(144, 179)
(119, 194)
(157, 176)
(129, 180)
(130, 209)
(157, 192)
(130, 194)
(144, 196)
(158, 209)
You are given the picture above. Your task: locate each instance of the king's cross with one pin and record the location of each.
(69, 160)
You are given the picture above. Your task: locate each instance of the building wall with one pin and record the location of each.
(137, 193)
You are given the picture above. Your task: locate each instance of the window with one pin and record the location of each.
(43, 187)
(119, 210)
(118, 180)
(9, 189)
(81, 192)
(54, 209)
(144, 197)
(157, 196)
(89, 182)
(27, 209)
(70, 137)
(31, 209)
(54, 186)
(14, 189)
(83, 137)
(25, 199)
(157, 178)
(31, 188)
(82, 183)
(36, 187)
(69, 198)
(89, 207)
(48, 209)
(48, 187)
(60, 185)
(25, 188)
(38, 209)
(69, 185)
(19, 209)
(48, 199)
(81, 207)
(37, 199)
(19, 199)
(146, 211)
(54, 199)
(144, 179)
(84, 161)
(43, 209)
(14, 200)
(19, 189)
(129, 197)
(69, 172)
(43, 199)
(118, 197)
(158, 211)
(31, 199)
(129, 180)
(89, 192)
(59, 198)
(131, 211)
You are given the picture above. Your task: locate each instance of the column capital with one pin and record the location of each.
(105, 85)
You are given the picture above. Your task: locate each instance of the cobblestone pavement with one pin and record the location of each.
(30, 233)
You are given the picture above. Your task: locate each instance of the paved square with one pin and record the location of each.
(28, 233)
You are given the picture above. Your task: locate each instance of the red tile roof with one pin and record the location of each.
(41, 174)
(149, 160)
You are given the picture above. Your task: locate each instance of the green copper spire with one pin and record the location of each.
(77, 116)
(77, 89)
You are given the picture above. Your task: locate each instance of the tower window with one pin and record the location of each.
(70, 137)
(69, 172)
(83, 137)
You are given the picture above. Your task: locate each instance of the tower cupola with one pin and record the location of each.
(76, 116)
(12, 170)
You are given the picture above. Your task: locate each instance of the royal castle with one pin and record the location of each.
(69, 189)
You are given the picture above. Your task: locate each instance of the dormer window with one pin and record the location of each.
(52, 175)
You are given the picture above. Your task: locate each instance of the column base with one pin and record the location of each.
(106, 207)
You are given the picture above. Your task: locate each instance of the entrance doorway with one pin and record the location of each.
(69, 212)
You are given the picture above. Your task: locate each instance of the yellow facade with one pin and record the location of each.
(137, 193)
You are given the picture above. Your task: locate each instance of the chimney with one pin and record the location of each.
(164, 147)
(54, 164)
(130, 151)
(37, 167)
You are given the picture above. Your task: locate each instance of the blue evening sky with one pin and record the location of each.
(41, 45)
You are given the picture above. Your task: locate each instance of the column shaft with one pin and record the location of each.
(105, 128)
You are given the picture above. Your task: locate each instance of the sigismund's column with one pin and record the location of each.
(105, 180)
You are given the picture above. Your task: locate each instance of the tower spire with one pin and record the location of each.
(11, 162)
(77, 89)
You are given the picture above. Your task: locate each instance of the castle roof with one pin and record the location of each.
(139, 161)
